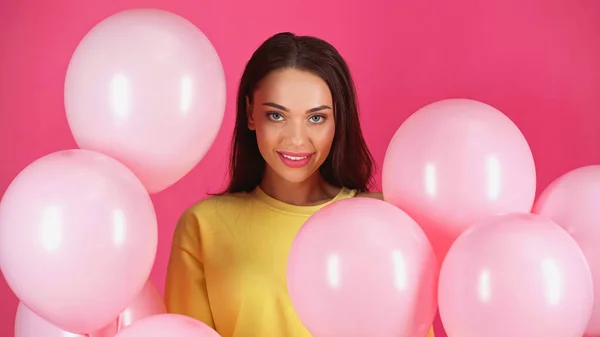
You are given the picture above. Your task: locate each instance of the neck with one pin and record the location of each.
(313, 191)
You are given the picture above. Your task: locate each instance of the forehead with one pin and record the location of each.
(294, 89)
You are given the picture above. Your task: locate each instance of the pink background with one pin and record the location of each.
(537, 61)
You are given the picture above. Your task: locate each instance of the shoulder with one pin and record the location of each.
(374, 195)
(208, 213)
(216, 203)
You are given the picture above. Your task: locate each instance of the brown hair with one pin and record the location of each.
(349, 163)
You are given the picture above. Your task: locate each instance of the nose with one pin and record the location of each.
(297, 133)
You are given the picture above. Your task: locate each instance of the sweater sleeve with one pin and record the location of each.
(185, 288)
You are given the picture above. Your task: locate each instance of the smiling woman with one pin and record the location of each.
(291, 79)
(296, 133)
(297, 147)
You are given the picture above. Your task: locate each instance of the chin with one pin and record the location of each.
(296, 176)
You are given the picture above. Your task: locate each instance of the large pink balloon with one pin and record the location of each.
(147, 303)
(28, 324)
(146, 87)
(78, 237)
(362, 267)
(516, 275)
(168, 325)
(573, 202)
(454, 162)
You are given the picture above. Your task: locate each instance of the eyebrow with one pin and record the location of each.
(281, 107)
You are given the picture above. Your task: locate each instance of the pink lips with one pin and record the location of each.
(295, 159)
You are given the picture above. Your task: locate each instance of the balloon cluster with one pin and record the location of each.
(144, 97)
(459, 230)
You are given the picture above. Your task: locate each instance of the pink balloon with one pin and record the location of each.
(28, 324)
(454, 162)
(78, 237)
(147, 303)
(146, 87)
(171, 325)
(362, 267)
(516, 275)
(572, 201)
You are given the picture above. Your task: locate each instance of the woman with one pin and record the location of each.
(297, 147)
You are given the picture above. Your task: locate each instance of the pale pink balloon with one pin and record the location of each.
(454, 162)
(362, 267)
(78, 238)
(168, 325)
(147, 303)
(146, 87)
(28, 324)
(517, 275)
(573, 202)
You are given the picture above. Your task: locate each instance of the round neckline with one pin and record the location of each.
(295, 209)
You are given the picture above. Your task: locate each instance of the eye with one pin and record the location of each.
(275, 116)
(317, 119)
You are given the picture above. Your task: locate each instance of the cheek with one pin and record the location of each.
(267, 137)
(323, 139)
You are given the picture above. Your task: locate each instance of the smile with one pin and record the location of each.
(295, 160)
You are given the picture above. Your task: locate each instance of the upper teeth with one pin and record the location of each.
(294, 158)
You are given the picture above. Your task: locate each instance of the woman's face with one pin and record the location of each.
(292, 114)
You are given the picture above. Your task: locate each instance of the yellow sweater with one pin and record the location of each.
(228, 261)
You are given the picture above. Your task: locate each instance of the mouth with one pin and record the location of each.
(295, 160)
